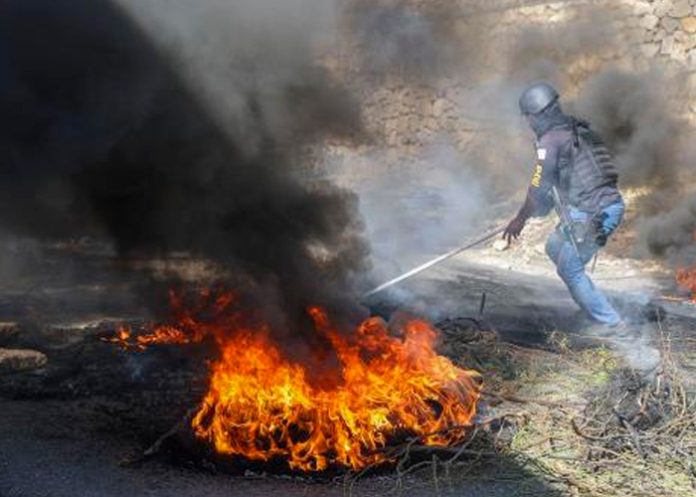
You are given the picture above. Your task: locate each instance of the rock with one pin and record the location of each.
(429, 124)
(649, 21)
(641, 8)
(667, 47)
(650, 49)
(659, 36)
(681, 45)
(680, 8)
(58, 336)
(662, 7)
(689, 24)
(670, 24)
(55, 336)
(648, 36)
(440, 107)
(15, 360)
(691, 61)
(681, 38)
(8, 331)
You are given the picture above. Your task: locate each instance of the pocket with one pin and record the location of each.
(587, 251)
(581, 232)
(613, 215)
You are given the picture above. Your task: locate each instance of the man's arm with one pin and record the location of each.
(544, 177)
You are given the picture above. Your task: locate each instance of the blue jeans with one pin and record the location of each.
(571, 268)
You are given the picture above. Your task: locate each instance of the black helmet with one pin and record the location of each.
(537, 98)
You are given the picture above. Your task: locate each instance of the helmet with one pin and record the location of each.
(537, 97)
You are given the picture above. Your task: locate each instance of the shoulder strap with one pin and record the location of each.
(576, 136)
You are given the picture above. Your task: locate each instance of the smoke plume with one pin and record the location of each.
(672, 234)
(639, 115)
(640, 123)
(180, 127)
(397, 39)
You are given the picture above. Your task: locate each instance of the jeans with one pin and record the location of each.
(571, 268)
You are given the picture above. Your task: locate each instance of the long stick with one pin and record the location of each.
(433, 262)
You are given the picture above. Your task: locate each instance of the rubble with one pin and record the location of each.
(649, 21)
(15, 360)
(689, 24)
(8, 332)
(680, 8)
(62, 335)
(670, 24)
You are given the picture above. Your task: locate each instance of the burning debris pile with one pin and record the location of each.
(375, 388)
(686, 279)
(185, 132)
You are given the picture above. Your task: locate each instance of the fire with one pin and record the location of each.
(686, 278)
(163, 334)
(263, 406)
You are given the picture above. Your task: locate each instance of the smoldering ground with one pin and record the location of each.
(178, 127)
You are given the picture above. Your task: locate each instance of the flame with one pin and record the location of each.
(686, 278)
(262, 406)
(163, 334)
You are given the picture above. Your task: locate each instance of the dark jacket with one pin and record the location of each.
(573, 158)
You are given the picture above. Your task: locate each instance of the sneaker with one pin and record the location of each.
(620, 331)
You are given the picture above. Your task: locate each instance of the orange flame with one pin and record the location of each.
(162, 334)
(260, 405)
(686, 278)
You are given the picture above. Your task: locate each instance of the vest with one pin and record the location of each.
(588, 179)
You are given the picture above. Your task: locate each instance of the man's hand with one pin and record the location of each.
(514, 228)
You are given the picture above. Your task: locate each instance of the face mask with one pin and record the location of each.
(547, 119)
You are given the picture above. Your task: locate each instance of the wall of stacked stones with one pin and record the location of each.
(668, 29)
(406, 114)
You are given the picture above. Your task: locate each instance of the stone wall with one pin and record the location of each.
(405, 114)
(447, 149)
(668, 28)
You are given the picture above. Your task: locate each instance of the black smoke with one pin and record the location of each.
(103, 132)
(417, 43)
(640, 122)
(640, 116)
(672, 234)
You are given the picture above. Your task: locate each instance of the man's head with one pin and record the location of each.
(537, 98)
(540, 106)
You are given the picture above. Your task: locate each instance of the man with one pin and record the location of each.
(573, 165)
